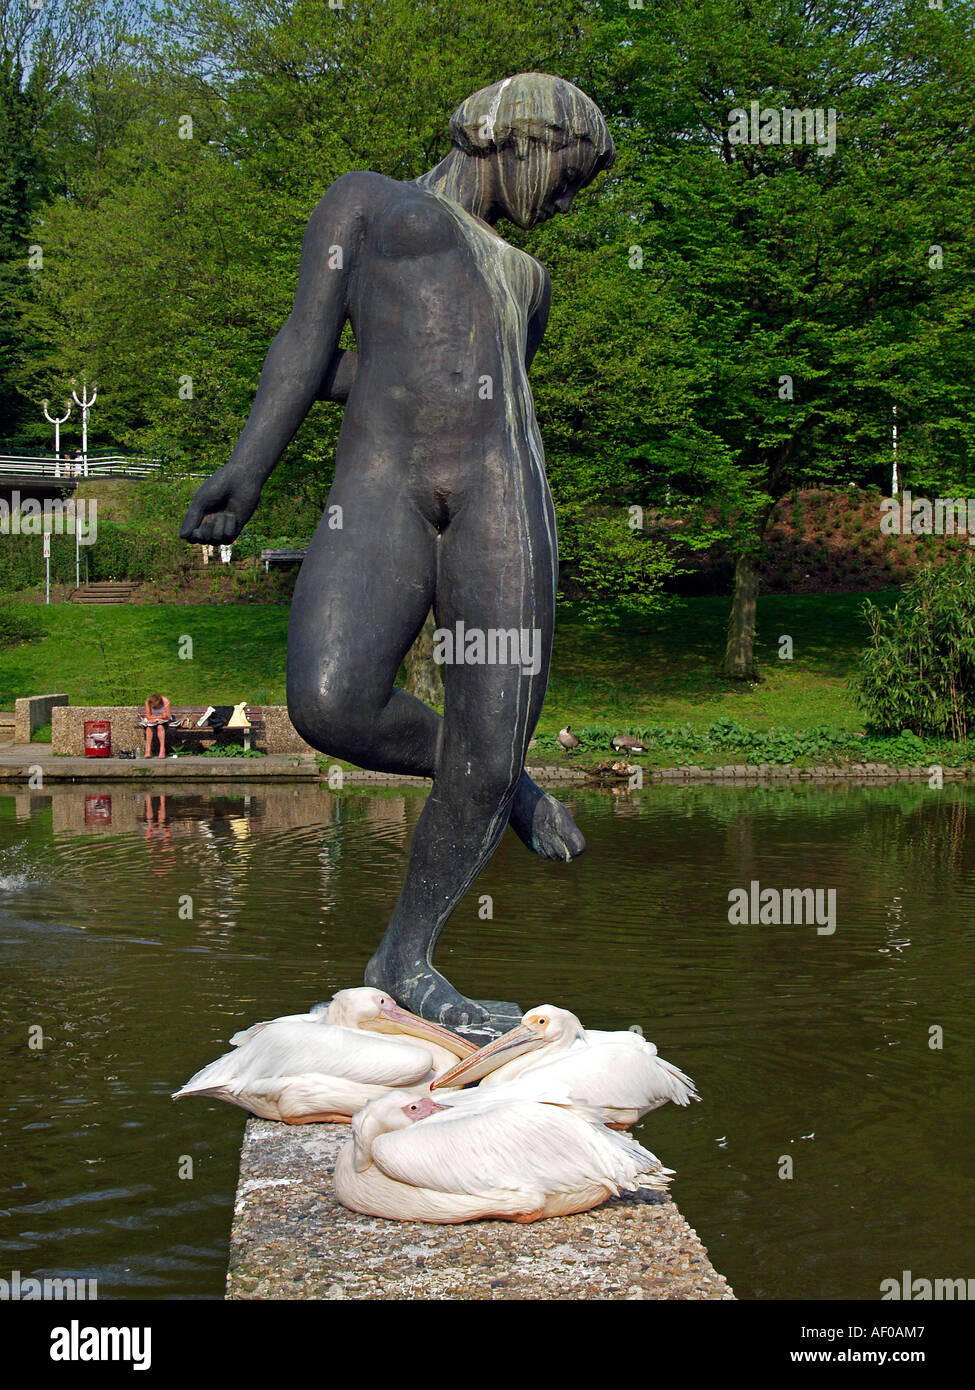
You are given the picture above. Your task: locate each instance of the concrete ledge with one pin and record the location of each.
(20, 765)
(291, 1239)
(31, 711)
(861, 773)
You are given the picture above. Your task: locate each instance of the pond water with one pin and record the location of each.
(139, 932)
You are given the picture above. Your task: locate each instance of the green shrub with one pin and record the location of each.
(918, 673)
(17, 626)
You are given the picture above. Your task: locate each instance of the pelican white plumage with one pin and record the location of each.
(375, 1012)
(620, 1073)
(475, 1155)
(325, 1065)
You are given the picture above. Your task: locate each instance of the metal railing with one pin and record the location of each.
(105, 466)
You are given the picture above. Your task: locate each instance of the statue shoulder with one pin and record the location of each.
(402, 219)
(354, 195)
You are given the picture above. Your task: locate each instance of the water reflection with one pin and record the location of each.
(140, 929)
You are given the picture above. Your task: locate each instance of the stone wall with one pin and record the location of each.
(68, 728)
(31, 712)
(282, 736)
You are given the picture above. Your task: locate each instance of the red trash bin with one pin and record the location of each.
(98, 738)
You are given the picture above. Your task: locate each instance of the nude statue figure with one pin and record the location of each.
(440, 478)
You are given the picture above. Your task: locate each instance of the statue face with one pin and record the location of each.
(533, 189)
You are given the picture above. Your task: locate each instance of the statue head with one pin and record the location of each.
(540, 140)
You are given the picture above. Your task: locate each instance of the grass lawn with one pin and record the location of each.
(658, 672)
(666, 670)
(119, 655)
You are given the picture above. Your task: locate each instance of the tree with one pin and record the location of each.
(812, 295)
(22, 178)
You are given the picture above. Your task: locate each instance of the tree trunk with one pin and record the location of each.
(739, 653)
(423, 677)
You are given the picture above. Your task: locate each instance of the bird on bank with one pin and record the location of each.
(475, 1155)
(618, 1073)
(568, 739)
(326, 1064)
(623, 743)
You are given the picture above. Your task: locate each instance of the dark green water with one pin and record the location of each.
(810, 1046)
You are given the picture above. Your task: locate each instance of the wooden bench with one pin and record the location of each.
(281, 557)
(255, 715)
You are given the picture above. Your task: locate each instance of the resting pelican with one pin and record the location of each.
(620, 1073)
(376, 1012)
(325, 1065)
(479, 1155)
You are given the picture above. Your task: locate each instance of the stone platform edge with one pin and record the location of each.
(20, 763)
(291, 1239)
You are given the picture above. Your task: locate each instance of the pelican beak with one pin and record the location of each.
(524, 1038)
(393, 1019)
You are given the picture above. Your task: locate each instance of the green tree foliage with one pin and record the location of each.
(729, 321)
(811, 292)
(21, 190)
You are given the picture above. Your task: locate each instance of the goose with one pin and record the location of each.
(623, 743)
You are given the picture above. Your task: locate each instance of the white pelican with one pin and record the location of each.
(619, 1073)
(474, 1155)
(326, 1065)
(376, 1012)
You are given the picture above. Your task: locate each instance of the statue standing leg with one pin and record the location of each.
(491, 567)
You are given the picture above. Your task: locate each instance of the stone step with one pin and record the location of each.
(102, 593)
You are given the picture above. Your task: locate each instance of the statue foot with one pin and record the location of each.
(426, 992)
(544, 824)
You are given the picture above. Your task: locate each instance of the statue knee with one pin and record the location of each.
(328, 712)
(493, 778)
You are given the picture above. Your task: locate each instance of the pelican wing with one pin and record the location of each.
(512, 1145)
(317, 1014)
(615, 1075)
(246, 1034)
(286, 1048)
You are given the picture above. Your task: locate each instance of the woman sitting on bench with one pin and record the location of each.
(157, 716)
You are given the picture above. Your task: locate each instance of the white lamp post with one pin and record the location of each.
(57, 422)
(86, 405)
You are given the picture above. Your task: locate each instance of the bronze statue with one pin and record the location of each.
(440, 496)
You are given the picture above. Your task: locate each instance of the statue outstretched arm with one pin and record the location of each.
(295, 366)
